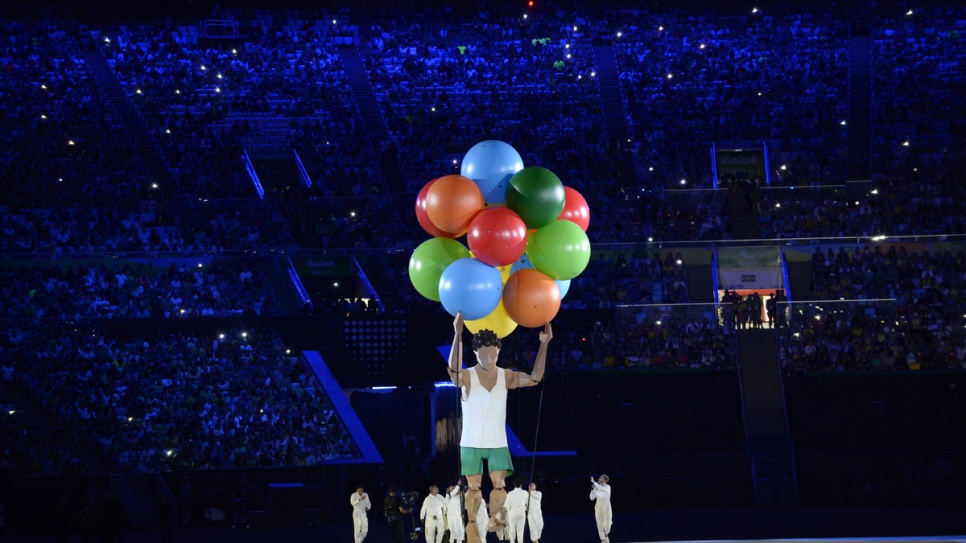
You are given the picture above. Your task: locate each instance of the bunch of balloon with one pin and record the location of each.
(525, 240)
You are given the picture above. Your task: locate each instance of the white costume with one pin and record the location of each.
(535, 515)
(482, 517)
(516, 506)
(432, 514)
(484, 413)
(602, 510)
(454, 516)
(360, 522)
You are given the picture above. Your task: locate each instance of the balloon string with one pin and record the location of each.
(536, 437)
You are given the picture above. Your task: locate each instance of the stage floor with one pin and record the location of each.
(725, 526)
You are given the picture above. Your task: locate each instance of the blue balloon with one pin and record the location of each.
(471, 287)
(491, 164)
(564, 287)
(522, 263)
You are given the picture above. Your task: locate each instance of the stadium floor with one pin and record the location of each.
(725, 526)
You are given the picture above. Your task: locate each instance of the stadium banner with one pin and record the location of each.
(749, 257)
(323, 266)
(740, 163)
(750, 279)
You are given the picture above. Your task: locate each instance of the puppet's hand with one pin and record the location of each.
(547, 333)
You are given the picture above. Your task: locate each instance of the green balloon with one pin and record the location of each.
(537, 195)
(428, 262)
(560, 249)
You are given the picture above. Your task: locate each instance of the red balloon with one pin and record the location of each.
(497, 236)
(575, 209)
(531, 298)
(451, 203)
(423, 218)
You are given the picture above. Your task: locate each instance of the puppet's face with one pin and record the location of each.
(487, 356)
(533, 486)
(433, 490)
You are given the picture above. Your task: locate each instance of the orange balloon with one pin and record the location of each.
(451, 203)
(531, 298)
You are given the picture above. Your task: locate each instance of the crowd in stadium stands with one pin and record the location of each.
(215, 226)
(656, 336)
(202, 104)
(611, 280)
(132, 290)
(179, 400)
(78, 150)
(915, 88)
(689, 80)
(200, 227)
(920, 329)
(870, 273)
(898, 209)
(78, 230)
(439, 84)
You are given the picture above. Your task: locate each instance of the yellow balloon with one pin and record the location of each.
(498, 321)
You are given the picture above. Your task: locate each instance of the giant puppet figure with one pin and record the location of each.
(484, 391)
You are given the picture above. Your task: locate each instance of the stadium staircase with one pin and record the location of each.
(766, 425)
(615, 116)
(860, 108)
(372, 117)
(745, 223)
(800, 280)
(129, 118)
(269, 138)
(700, 285)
